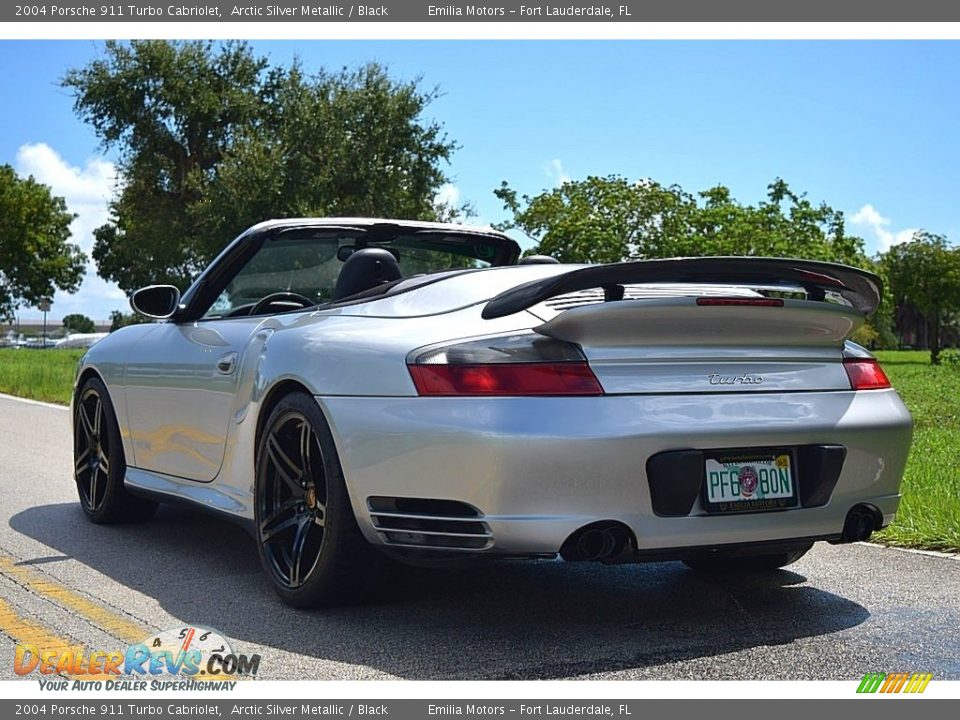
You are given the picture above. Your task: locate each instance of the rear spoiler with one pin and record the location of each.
(861, 289)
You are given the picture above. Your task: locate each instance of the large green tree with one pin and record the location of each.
(35, 255)
(346, 143)
(601, 219)
(169, 110)
(609, 219)
(925, 274)
(784, 224)
(212, 139)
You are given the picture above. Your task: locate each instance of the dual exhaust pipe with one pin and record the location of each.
(861, 521)
(610, 541)
(603, 542)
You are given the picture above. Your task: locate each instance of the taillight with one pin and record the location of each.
(865, 374)
(527, 364)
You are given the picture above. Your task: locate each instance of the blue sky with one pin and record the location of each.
(869, 127)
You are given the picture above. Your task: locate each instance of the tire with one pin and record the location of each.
(99, 465)
(308, 539)
(719, 561)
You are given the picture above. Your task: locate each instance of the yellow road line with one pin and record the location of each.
(124, 628)
(26, 631)
(113, 623)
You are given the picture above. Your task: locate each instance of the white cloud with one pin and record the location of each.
(556, 173)
(868, 217)
(89, 185)
(87, 191)
(448, 195)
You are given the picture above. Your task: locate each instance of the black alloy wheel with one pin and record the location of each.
(92, 454)
(292, 500)
(99, 465)
(310, 545)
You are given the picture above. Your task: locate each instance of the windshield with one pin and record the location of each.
(307, 263)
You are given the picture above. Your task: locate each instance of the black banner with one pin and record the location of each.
(506, 11)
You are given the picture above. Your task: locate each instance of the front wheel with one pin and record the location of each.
(720, 561)
(99, 464)
(310, 545)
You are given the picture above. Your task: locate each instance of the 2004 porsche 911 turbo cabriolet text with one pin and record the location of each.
(356, 390)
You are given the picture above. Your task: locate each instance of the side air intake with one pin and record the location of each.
(428, 523)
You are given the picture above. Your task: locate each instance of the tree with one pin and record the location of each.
(350, 143)
(78, 323)
(877, 333)
(602, 219)
(610, 219)
(784, 224)
(35, 257)
(925, 274)
(120, 319)
(212, 139)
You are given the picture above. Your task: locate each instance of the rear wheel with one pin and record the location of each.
(309, 542)
(98, 461)
(720, 561)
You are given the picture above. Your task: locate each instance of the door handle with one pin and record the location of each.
(227, 363)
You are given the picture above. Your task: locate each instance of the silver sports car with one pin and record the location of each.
(357, 390)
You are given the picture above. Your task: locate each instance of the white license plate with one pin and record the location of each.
(738, 481)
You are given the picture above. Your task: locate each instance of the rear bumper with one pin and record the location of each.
(538, 469)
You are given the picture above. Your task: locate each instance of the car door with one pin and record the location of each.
(181, 383)
(182, 378)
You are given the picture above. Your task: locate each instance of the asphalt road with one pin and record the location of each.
(838, 613)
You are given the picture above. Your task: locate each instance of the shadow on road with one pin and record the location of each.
(510, 620)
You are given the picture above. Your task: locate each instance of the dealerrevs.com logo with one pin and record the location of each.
(183, 658)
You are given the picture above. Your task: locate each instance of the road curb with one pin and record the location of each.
(4, 396)
(913, 551)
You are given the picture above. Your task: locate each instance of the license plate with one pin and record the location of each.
(749, 480)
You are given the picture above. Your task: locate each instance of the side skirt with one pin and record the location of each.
(200, 496)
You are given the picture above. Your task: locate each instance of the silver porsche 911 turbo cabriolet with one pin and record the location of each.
(356, 390)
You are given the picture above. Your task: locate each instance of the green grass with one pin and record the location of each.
(929, 515)
(38, 374)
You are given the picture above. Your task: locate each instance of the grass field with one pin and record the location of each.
(38, 374)
(929, 514)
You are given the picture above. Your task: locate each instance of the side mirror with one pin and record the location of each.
(156, 301)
